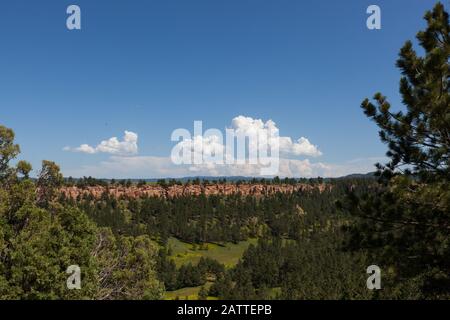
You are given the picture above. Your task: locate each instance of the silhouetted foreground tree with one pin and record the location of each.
(405, 224)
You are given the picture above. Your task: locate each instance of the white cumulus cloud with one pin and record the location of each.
(249, 126)
(128, 146)
(267, 134)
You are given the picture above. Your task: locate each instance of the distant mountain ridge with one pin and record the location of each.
(232, 178)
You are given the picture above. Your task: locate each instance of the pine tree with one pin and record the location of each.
(420, 138)
(405, 221)
(203, 293)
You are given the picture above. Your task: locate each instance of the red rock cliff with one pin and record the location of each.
(181, 190)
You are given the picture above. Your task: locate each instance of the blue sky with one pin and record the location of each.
(150, 67)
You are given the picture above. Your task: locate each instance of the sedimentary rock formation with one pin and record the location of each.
(190, 189)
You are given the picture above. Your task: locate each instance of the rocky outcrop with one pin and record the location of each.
(189, 189)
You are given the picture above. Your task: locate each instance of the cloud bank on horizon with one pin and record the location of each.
(125, 162)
